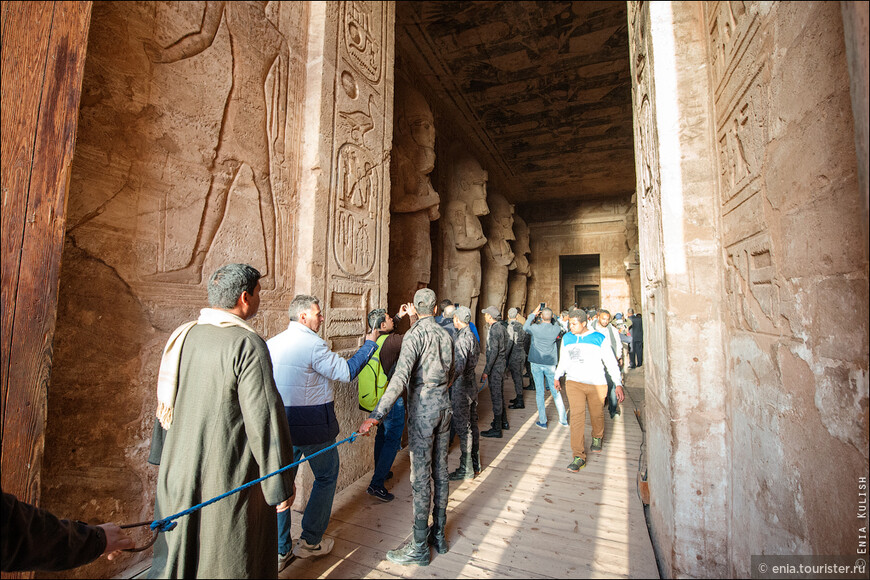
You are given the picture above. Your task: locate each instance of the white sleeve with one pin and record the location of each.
(610, 363)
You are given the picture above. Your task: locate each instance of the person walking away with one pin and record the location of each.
(304, 367)
(516, 356)
(496, 362)
(585, 356)
(463, 396)
(425, 369)
(543, 349)
(372, 383)
(220, 425)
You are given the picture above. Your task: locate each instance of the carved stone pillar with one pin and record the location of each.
(343, 238)
(520, 269)
(413, 200)
(461, 231)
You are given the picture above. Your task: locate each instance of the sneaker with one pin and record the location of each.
(596, 445)
(285, 560)
(303, 549)
(576, 465)
(565, 424)
(381, 493)
(541, 425)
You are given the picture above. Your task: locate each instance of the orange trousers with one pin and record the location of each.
(578, 395)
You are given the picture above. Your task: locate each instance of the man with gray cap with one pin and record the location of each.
(425, 368)
(516, 358)
(496, 361)
(463, 396)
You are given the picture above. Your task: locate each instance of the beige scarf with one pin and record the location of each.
(167, 378)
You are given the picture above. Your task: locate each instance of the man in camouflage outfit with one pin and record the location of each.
(425, 368)
(496, 361)
(516, 356)
(463, 396)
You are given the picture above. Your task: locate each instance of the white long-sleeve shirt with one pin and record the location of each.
(583, 358)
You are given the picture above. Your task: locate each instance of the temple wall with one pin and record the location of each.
(595, 228)
(754, 282)
(195, 154)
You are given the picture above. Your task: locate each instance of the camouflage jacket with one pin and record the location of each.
(497, 346)
(466, 350)
(517, 341)
(425, 368)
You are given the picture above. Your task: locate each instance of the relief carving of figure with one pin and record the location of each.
(497, 253)
(257, 47)
(461, 231)
(414, 202)
(520, 269)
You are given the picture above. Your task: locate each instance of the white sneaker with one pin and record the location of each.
(303, 549)
(284, 560)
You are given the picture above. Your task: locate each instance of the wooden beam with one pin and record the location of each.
(43, 53)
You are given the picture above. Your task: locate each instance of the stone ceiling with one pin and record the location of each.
(542, 90)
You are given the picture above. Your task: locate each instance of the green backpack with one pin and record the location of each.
(372, 380)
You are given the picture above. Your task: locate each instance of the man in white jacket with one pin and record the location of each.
(304, 366)
(584, 356)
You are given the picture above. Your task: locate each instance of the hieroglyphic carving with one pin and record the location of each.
(740, 108)
(646, 155)
(361, 143)
(363, 39)
(252, 129)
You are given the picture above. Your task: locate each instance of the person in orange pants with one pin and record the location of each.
(583, 358)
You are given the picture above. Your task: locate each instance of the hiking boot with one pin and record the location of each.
(436, 532)
(596, 445)
(465, 470)
(303, 549)
(285, 560)
(576, 465)
(492, 433)
(415, 551)
(380, 493)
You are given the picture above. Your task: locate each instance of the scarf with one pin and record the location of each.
(167, 377)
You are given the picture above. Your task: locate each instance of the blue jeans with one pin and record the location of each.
(319, 507)
(544, 376)
(387, 442)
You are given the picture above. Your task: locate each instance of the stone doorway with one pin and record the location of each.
(580, 281)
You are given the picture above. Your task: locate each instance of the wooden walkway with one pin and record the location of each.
(525, 516)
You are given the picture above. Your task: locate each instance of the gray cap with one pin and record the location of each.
(463, 313)
(492, 311)
(512, 313)
(426, 298)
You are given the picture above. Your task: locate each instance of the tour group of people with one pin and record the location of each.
(233, 407)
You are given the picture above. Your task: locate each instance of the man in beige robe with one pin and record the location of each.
(226, 427)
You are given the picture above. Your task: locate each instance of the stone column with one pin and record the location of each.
(343, 234)
(681, 273)
(520, 269)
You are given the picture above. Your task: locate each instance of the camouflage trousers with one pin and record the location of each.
(428, 437)
(464, 400)
(516, 366)
(496, 383)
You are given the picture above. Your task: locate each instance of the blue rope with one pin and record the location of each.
(167, 524)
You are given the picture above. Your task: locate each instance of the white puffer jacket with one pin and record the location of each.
(303, 366)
